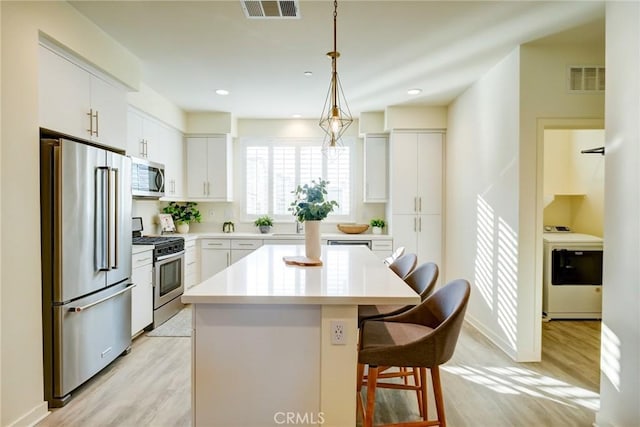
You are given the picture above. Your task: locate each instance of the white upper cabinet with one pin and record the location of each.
(79, 103)
(417, 173)
(375, 168)
(174, 164)
(209, 168)
(144, 135)
(150, 139)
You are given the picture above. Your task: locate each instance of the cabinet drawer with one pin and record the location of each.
(382, 245)
(246, 244)
(142, 258)
(189, 244)
(215, 244)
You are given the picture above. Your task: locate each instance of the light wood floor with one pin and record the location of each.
(482, 386)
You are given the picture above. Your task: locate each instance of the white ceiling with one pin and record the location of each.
(190, 49)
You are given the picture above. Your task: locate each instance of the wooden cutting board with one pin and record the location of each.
(301, 261)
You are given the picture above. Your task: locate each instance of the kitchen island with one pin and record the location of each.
(262, 350)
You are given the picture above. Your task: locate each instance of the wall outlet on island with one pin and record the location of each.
(338, 332)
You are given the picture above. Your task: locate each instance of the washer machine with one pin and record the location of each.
(572, 276)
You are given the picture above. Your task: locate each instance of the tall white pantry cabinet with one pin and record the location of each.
(416, 182)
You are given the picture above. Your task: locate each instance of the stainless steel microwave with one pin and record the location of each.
(147, 179)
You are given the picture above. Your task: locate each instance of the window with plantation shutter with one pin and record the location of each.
(274, 167)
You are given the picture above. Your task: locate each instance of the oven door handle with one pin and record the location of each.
(177, 254)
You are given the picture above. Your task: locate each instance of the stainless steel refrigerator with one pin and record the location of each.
(86, 262)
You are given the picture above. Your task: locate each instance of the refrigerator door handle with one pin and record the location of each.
(102, 218)
(114, 208)
(100, 301)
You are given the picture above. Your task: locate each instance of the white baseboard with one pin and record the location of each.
(34, 416)
(494, 338)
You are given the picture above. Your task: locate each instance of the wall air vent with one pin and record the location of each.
(586, 78)
(265, 9)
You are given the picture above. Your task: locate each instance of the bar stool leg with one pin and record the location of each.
(437, 391)
(372, 379)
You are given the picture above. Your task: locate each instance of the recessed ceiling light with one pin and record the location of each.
(308, 73)
(414, 91)
(296, 116)
(222, 92)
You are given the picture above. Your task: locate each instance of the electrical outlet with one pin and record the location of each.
(338, 332)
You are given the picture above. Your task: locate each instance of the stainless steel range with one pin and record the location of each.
(168, 272)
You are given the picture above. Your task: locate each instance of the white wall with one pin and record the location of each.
(576, 179)
(543, 96)
(491, 173)
(482, 199)
(282, 128)
(151, 102)
(620, 348)
(21, 350)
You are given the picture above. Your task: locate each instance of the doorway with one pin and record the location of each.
(570, 196)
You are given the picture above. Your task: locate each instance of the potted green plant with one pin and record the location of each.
(264, 223)
(310, 206)
(183, 214)
(377, 224)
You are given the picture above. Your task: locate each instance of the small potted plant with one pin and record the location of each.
(264, 223)
(183, 215)
(310, 207)
(377, 224)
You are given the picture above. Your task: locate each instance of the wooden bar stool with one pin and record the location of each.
(422, 338)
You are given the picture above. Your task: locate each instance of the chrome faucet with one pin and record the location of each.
(299, 227)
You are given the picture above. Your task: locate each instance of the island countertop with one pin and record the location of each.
(349, 275)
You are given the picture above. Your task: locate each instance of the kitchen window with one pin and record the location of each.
(274, 167)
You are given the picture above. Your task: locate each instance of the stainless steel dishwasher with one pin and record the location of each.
(350, 242)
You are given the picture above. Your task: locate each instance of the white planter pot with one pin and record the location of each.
(312, 239)
(376, 230)
(183, 228)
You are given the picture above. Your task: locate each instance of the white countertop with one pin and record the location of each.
(350, 275)
(284, 236)
(136, 249)
(570, 238)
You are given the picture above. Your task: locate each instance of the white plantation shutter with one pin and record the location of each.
(310, 164)
(284, 178)
(257, 182)
(275, 167)
(338, 175)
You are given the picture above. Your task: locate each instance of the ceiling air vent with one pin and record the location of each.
(586, 78)
(263, 9)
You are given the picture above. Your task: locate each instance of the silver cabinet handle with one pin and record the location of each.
(141, 150)
(84, 307)
(91, 117)
(208, 188)
(97, 123)
(143, 260)
(414, 224)
(419, 204)
(204, 188)
(245, 244)
(420, 224)
(228, 259)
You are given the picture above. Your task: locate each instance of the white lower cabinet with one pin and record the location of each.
(382, 248)
(192, 261)
(419, 234)
(142, 293)
(215, 256)
(242, 248)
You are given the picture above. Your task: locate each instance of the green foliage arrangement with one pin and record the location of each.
(310, 203)
(263, 221)
(377, 222)
(183, 213)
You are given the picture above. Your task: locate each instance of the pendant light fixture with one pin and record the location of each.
(336, 117)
